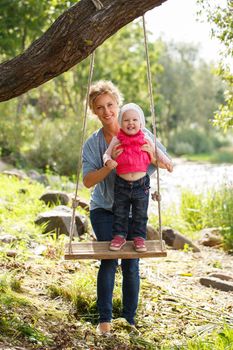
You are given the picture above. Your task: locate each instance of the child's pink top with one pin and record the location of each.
(132, 159)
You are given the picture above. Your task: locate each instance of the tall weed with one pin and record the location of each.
(213, 209)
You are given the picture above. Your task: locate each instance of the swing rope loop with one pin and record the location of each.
(98, 4)
(152, 108)
(75, 200)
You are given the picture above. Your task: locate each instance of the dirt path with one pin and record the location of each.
(174, 306)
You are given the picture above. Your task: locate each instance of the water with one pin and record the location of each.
(197, 177)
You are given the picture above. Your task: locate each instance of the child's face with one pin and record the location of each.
(130, 123)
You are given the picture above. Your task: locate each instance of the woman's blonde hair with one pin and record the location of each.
(102, 87)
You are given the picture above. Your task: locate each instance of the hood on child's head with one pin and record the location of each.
(134, 107)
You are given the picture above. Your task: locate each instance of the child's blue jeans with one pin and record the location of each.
(127, 195)
(102, 222)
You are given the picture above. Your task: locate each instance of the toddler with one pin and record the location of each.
(132, 182)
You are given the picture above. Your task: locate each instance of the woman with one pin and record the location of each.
(104, 101)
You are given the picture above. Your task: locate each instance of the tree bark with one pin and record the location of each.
(71, 38)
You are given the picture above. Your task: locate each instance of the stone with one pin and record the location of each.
(84, 205)
(222, 276)
(176, 240)
(210, 237)
(20, 174)
(216, 283)
(7, 238)
(35, 176)
(80, 202)
(55, 197)
(151, 233)
(58, 220)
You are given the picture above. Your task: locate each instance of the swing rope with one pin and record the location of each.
(152, 108)
(75, 201)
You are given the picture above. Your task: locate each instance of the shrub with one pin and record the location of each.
(211, 209)
(189, 141)
(181, 148)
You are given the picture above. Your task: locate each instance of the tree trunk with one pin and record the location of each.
(71, 38)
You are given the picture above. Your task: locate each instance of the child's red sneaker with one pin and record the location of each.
(139, 244)
(117, 243)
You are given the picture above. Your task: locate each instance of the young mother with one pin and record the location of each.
(104, 101)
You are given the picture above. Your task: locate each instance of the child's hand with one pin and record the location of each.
(170, 167)
(111, 164)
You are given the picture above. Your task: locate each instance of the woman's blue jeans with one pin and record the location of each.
(102, 222)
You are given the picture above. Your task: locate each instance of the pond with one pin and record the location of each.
(197, 177)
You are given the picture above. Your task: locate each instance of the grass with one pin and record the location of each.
(217, 157)
(213, 209)
(217, 340)
(205, 210)
(48, 303)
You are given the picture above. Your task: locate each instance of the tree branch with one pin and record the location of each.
(71, 38)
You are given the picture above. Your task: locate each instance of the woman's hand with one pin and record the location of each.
(116, 151)
(147, 147)
(111, 164)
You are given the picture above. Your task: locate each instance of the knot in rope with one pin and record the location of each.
(98, 4)
(75, 202)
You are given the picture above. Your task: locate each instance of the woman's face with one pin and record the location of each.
(106, 108)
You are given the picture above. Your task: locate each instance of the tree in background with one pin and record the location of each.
(221, 21)
(42, 127)
(189, 93)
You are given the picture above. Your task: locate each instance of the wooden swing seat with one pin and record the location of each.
(100, 250)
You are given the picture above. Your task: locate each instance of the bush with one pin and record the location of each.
(56, 147)
(213, 209)
(189, 141)
(181, 148)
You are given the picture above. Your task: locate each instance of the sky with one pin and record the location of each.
(176, 19)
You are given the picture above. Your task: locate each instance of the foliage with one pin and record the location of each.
(49, 118)
(222, 155)
(23, 21)
(46, 302)
(188, 91)
(81, 291)
(189, 141)
(213, 209)
(221, 21)
(224, 116)
(218, 340)
(14, 193)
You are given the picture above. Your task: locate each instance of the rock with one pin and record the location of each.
(151, 233)
(216, 283)
(58, 220)
(10, 253)
(41, 178)
(7, 238)
(176, 240)
(4, 165)
(222, 276)
(84, 205)
(20, 174)
(80, 202)
(55, 197)
(210, 237)
(171, 237)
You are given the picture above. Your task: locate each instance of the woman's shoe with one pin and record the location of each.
(139, 244)
(117, 243)
(104, 329)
